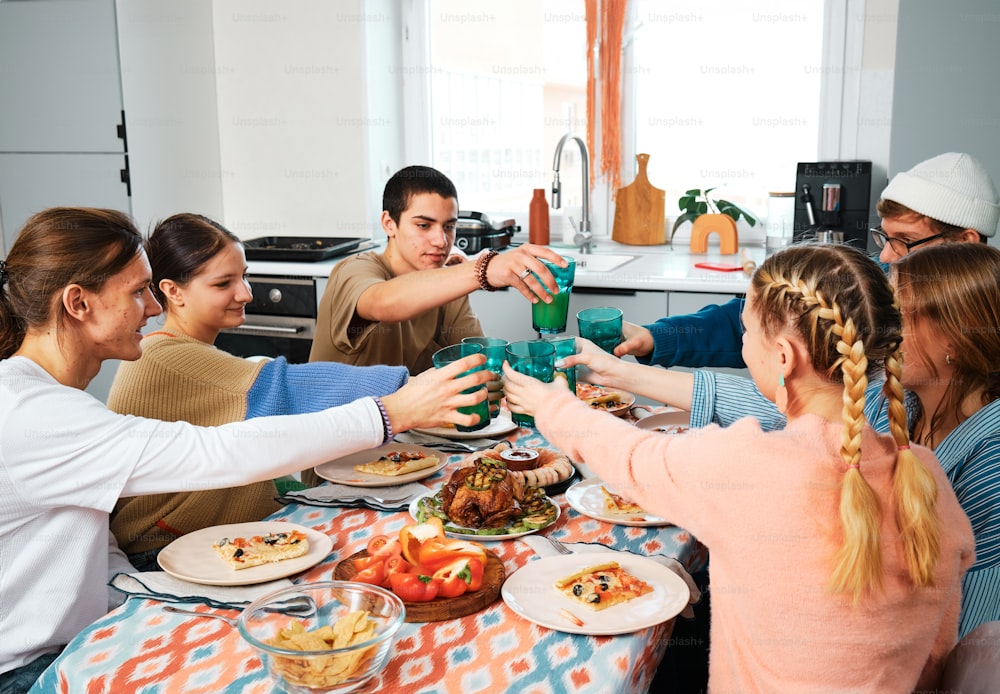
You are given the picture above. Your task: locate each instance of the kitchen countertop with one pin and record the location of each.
(652, 268)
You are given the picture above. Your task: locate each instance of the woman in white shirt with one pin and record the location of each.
(74, 291)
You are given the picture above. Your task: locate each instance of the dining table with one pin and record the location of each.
(139, 647)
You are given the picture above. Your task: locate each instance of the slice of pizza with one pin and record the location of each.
(602, 586)
(619, 505)
(244, 552)
(598, 396)
(398, 463)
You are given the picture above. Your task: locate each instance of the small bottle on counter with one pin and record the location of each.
(538, 218)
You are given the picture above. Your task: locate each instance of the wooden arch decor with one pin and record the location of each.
(723, 225)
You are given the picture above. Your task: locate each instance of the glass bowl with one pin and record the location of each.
(329, 663)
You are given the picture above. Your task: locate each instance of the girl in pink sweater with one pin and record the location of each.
(837, 552)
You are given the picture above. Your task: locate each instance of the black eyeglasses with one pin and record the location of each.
(899, 245)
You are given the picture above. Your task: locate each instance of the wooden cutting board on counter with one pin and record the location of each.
(440, 609)
(640, 218)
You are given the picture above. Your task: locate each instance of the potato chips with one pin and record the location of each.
(325, 671)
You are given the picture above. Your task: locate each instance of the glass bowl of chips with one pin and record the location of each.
(331, 636)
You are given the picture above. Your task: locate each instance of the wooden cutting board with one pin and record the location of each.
(639, 211)
(440, 609)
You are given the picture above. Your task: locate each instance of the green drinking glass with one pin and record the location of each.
(533, 358)
(446, 356)
(602, 326)
(565, 346)
(495, 349)
(550, 319)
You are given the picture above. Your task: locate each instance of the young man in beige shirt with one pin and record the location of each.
(400, 306)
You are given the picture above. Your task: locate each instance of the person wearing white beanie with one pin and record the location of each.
(950, 198)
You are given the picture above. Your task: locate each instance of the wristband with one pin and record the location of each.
(481, 264)
(386, 424)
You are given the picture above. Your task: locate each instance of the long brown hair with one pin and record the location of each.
(55, 248)
(842, 306)
(956, 290)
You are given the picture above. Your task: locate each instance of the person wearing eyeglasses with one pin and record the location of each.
(949, 198)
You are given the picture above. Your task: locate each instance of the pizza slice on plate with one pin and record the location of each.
(620, 506)
(397, 463)
(598, 396)
(602, 586)
(244, 552)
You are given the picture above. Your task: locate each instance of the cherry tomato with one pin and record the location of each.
(374, 574)
(394, 565)
(414, 587)
(383, 546)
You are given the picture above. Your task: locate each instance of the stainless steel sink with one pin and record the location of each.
(597, 262)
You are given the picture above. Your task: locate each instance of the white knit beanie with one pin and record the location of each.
(953, 188)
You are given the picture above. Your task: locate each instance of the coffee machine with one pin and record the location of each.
(832, 202)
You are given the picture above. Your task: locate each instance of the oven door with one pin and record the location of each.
(270, 336)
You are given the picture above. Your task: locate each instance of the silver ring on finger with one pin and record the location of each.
(524, 274)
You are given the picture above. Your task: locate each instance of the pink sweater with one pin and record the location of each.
(766, 506)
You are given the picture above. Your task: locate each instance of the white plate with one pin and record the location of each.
(503, 424)
(667, 422)
(587, 498)
(483, 538)
(342, 470)
(192, 557)
(530, 592)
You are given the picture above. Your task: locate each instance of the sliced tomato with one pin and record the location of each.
(414, 587)
(374, 574)
(362, 563)
(394, 565)
(412, 536)
(383, 546)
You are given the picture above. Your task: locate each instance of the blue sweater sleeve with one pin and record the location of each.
(711, 337)
(283, 388)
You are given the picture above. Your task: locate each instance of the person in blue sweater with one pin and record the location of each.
(949, 198)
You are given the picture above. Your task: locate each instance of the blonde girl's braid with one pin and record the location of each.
(858, 563)
(914, 488)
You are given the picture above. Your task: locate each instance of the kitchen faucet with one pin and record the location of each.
(583, 238)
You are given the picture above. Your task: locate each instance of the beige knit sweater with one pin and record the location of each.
(182, 379)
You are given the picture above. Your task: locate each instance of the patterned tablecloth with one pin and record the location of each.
(140, 648)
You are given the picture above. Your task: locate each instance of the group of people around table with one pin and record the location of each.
(834, 490)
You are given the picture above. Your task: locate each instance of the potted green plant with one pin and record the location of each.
(707, 214)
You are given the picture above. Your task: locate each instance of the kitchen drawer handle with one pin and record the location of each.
(270, 328)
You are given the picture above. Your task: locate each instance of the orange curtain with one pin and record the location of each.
(605, 27)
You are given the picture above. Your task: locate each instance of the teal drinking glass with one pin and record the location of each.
(533, 358)
(565, 345)
(550, 319)
(602, 326)
(495, 349)
(446, 356)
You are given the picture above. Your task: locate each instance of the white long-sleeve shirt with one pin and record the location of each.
(64, 461)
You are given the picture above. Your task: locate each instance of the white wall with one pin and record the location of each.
(945, 97)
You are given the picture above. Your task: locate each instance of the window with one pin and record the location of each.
(718, 92)
(726, 93)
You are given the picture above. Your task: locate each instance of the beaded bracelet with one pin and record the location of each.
(481, 264)
(386, 424)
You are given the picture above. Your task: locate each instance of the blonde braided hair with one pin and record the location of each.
(854, 318)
